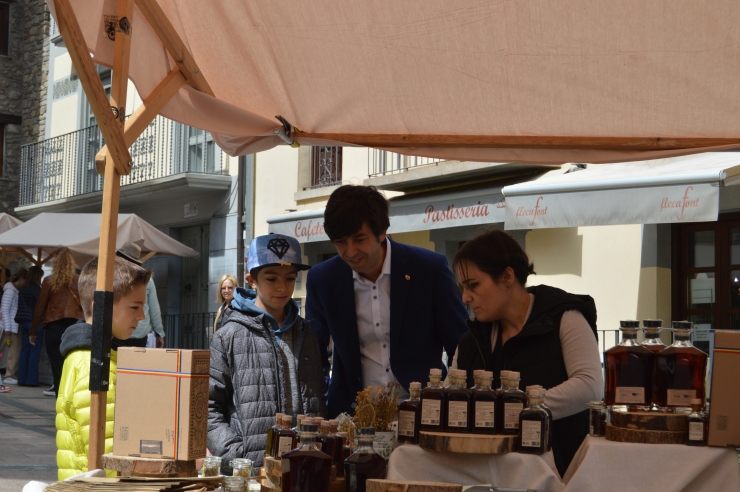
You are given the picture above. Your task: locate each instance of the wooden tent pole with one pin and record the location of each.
(103, 297)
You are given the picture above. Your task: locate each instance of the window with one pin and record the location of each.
(326, 166)
(706, 275)
(4, 29)
(92, 140)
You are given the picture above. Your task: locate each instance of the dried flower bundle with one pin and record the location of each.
(377, 406)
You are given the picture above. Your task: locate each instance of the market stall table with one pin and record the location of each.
(511, 470)
(606, 465)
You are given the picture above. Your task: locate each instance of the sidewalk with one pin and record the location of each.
(27, 438)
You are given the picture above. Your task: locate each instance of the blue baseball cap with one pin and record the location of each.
(275, 250)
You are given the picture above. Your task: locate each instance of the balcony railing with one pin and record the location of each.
(188, 331)
(381, 162)
(64, 166)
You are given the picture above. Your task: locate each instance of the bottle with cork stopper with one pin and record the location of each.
(483, 412)
(408, 416)
(458, 403)
(514, 401)
(433, 399)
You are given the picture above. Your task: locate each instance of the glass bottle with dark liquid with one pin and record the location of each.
(653, 343)
(477, 374)
(285, 438)
(629, 370)
(329, 443)
(306, 468)
(483, 411)
(544, 406)
(433, 403)
(681, 369)
(300, 419)
(514, 401)
(533, 425)
(697, 425)
(408, 416)
(500, 401)
(346, 451)
(364, 463)
(271, 433)
(338, 460)
(458, 403)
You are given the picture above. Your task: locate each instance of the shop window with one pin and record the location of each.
(326, 166)
(4, 29)
(706, 275)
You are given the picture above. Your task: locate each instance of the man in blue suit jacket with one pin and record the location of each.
(391, 309)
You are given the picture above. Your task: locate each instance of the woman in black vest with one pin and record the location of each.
(544, 333)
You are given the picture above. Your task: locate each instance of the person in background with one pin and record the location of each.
(59, 307)
(9, 309)
(544, 333)
(28, 366)
(153, 319)
(224, 295)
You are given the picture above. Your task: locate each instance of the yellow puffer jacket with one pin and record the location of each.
(73, 413)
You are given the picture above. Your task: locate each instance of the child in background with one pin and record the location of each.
(265, 358)
(73, 403)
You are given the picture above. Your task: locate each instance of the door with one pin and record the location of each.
(194, 276)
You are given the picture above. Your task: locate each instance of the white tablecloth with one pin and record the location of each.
(606, 465)
(512, 470)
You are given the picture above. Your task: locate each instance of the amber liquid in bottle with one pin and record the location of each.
(345, 453)
(483, 412)
(513, 402)
(306, 468)
(549, 414)
(271, 433)
(653, 343)
(681, 369)
(697, 425)
(363, 464)
(285, 438)
(500, 401)
(458, 404)
(533, 426)
(629, 371)
(433, 404)
(408, 416)
(329, 443)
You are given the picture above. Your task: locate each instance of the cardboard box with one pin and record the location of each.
(724, 410)
(161, 403)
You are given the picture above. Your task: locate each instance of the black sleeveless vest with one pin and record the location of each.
(536, 353)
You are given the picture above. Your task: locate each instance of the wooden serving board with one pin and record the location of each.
(375, 485)
(466, 443)
(620, 434)
(130, 466)
(654, 421)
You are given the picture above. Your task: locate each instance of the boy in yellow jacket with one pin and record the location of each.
(73, 403)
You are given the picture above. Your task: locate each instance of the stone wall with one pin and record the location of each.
(23, 85)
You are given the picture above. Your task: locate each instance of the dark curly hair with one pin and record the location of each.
(492, 251)
(349, 207)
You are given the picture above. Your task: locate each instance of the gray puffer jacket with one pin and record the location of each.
(250, 383)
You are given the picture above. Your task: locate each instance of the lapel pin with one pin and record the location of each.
(408, 277)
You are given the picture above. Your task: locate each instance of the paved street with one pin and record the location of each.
(27, 438)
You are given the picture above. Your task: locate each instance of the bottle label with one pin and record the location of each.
(284, 445)
(511, 415)
(531, 434)
(430, 412)
(680, 398)
(457, 414)
(629, 394)
(696, 431)
(484, 414)
(406, 422)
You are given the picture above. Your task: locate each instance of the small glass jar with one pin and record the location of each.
(596, 418)
(233, 484)
(242, 467)
(211, 466)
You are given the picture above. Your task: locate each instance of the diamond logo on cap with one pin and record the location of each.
(278, 246)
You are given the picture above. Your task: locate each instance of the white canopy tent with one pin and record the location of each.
(678, 189)
(47, 232)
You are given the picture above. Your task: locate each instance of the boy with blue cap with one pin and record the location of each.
(264, 359)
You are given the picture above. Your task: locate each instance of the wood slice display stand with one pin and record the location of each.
(466, 443)
(130, 466)
(274, 472)
(375, 485)
(648, 427)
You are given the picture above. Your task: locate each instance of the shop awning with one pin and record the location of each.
(476, 207)
(679, 189)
